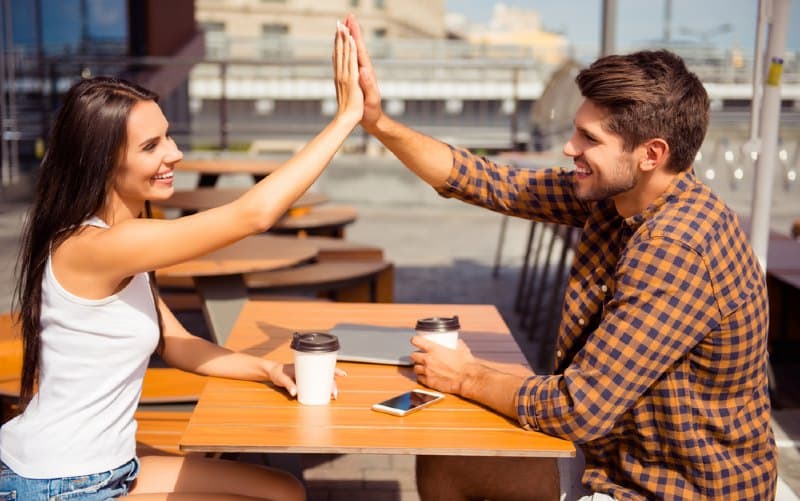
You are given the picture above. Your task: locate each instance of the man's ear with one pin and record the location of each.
(656, 154)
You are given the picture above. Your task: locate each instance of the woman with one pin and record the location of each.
(90, 318)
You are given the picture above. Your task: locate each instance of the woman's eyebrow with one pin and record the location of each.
(148, 140)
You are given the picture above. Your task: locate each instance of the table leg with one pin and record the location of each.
(223, 297)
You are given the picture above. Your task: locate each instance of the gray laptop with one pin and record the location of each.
(374, 344)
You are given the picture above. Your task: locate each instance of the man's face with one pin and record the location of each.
(602, 168)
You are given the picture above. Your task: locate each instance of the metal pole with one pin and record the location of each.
(4, 165)
(223, 107)
(770, 116)
(11, 68)
(667, 21)
(608, 35)
(515, 113)
(758, 70)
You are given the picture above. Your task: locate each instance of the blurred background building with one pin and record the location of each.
(234, 73)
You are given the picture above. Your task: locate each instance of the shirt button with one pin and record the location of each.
(559, 354)
(581, 321)
(604, 288)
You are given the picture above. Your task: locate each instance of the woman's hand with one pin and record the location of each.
(345, 68)
(369, 84)
(283, 375)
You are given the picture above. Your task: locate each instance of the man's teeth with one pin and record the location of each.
(582, 170)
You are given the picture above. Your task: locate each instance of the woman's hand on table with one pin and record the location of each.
(283, 375)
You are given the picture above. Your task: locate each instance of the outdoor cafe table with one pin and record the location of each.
(211, 168)
(241, 416)
(218, 276)
(207, 198)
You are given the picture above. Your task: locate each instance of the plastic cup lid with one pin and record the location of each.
(314, 342)
(438, 324)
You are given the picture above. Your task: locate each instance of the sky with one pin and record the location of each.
(641, 20)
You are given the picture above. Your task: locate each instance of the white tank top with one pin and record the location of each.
(94, 354)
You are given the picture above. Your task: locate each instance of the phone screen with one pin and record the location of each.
(409, 400)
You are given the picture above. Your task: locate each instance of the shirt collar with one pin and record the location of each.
(681, 183)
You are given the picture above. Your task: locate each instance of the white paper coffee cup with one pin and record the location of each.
(314, 366)
(440, 330)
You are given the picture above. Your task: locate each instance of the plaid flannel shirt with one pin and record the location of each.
(661, 353)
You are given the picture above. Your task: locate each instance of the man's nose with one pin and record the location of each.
(569, 149)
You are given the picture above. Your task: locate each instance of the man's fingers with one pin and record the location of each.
(355, 30)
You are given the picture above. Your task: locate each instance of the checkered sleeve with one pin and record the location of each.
(542, 195)
(663, 306)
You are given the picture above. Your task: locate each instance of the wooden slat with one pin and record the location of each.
(166, 385)
(159, 432)
(396, 440)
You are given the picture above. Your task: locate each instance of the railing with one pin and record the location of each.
(480, 94)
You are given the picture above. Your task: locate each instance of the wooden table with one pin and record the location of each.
(252, 417)
(207, 198)
(211, 168)
(326, 220)
(218, 276)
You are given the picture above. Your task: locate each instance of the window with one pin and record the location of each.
(274, 40)
(216, 39)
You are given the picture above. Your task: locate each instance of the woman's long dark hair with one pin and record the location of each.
(86, 144)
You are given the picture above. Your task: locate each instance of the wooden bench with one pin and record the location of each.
(159, 432)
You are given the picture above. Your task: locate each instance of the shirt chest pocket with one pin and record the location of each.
(596, 291)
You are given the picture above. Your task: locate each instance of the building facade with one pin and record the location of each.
(303, 28)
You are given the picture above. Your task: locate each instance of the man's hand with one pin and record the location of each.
(366, 78)
(439, 367)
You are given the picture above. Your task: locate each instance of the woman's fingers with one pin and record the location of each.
(338, 53)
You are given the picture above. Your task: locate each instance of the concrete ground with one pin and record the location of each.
(444, 253)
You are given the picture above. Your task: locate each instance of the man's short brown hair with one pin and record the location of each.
(650, 94)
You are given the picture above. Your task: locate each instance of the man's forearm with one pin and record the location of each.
(427, 157)
(491, 388)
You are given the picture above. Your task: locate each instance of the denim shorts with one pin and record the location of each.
(95, 487)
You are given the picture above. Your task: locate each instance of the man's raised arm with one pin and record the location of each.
(428, 158)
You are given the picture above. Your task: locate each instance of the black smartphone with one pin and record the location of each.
(408, 402)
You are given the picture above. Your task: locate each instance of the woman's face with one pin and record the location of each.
(145, 170)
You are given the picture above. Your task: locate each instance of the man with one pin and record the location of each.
(661, 353)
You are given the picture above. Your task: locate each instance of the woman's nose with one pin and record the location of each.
(173, 156)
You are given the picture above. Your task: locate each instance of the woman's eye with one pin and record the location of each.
(149, 147)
